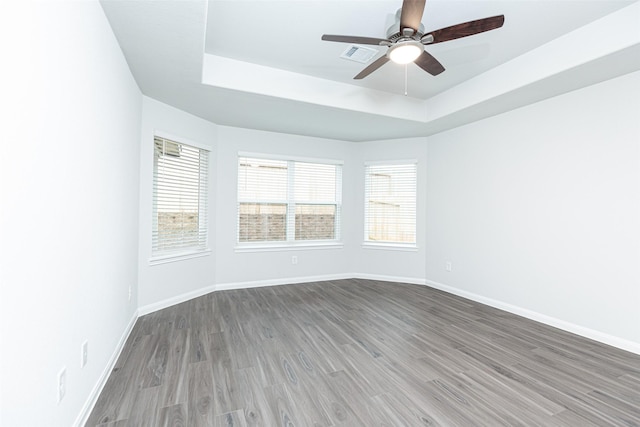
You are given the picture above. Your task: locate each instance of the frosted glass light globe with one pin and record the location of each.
(405, 52)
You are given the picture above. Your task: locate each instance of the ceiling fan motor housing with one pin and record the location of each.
(394, 32)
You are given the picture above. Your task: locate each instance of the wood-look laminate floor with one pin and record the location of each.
(361, 353)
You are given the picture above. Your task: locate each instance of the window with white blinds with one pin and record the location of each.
(180, 175)
(390, 203)
(284, 201)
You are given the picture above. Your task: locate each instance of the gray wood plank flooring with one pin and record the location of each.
(361, 353)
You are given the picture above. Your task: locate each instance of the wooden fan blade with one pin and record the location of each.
(353, 39)
(466, 29)
(411, 15)
(428, 63)
(372, 67)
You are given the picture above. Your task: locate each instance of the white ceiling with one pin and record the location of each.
(262, 65)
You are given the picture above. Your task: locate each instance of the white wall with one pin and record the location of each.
(538, 210)
(236, 268)
(400, 265)
(69, 205)
(164, 283)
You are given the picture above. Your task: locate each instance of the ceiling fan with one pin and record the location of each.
(407, 44)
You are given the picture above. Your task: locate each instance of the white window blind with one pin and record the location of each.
(390, 203)
(288, 200)
(179, 198)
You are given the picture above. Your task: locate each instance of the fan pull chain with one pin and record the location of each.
(405, 79)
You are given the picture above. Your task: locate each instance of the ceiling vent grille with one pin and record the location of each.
(359, 53)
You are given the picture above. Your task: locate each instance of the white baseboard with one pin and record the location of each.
(278, 282)
(150, 308)
(396, 279)
(602, 337)
(102, 380)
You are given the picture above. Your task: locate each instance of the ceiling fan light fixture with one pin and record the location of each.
(405, 52)
(406, 38)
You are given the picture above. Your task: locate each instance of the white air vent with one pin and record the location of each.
(359, 53)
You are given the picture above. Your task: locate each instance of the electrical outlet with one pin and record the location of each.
(294, 260)
(448, 266)
(62, 383)
(84, 354)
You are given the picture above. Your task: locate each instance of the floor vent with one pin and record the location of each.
(359, 53)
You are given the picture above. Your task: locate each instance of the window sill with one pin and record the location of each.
(179, 256)
(390, 247)
(277, 247)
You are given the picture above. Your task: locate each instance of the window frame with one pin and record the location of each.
(389, 245)
(290, 243)
(197, 250)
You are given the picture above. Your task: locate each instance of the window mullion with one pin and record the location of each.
(338, 203)
(291, 204)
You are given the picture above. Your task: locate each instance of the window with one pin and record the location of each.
(390, 203)
(288, 201)
(179, 198)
